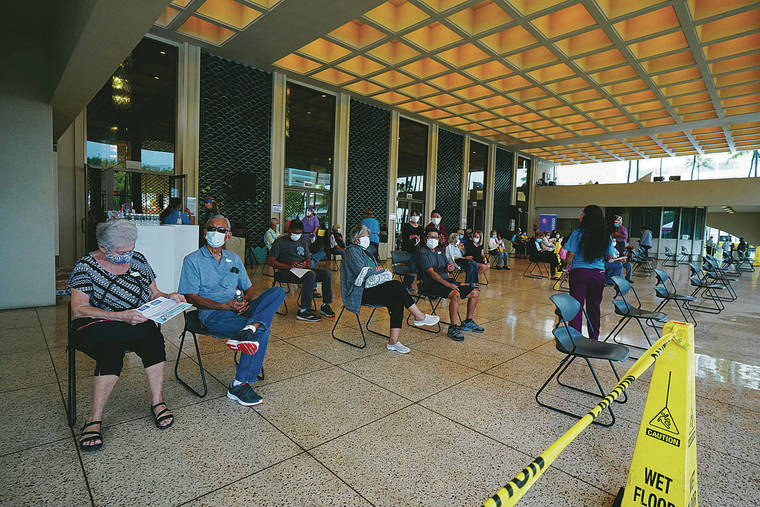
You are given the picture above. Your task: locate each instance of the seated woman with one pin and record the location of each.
(107, 285)
(173, 214)
(455, 255)
(474, 250)
(497, 249)
(374, 285)
(337, 245)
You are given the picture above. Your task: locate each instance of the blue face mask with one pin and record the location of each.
(124, 258)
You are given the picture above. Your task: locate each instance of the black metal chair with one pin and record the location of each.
(361, 327)
(194, 326)
(669, 293)
(435, 301)
(535, 263)
(572, 342)
(685, 256)
(742, 261)
(712, 272)
(629, 312)
(707, 289)
(278, 280)
(671, 259)
(563, 284)
(400, 264)
(642, 263)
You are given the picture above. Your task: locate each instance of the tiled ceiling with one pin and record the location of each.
(568, 81)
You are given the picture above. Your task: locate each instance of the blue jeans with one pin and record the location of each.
(470, 270)
(315, 258)
(228, 323)
(501, 257)
(616, 269)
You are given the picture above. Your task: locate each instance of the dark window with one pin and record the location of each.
(309, 145)
(476, 185)
(412, 165)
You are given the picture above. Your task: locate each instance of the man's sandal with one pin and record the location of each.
(90, 436)
(161, 416)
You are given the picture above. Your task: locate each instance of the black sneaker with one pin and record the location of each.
(327, 311)
(506, 267)
(244, 395)
(308, 316)
(455, 334)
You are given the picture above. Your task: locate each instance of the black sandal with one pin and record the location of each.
(159, 418)
(90, 436)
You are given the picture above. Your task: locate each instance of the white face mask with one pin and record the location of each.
(414, 219)
(364, 242)
(432, 243)
(295, 237)
(215, 239)
(436, 220)
(476, 240)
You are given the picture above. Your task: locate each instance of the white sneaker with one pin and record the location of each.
(429, 320)
(398, 347)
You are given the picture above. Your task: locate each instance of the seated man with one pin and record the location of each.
(614, 267)
(537, 255)
(210, 279)
(434, 270)
(337, 245)
(271, 235)
(292, 251)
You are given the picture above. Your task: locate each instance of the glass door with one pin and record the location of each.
(476, 188)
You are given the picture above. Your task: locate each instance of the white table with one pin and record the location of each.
(165, 247)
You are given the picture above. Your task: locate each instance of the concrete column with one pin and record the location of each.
(277, 159)
(532, 218)
(188, 119)
(431, 173)
(489, 182)
(392, 177)
(340, 160)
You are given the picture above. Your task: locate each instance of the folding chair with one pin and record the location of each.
(194, 326)
(563, 284)
(535, 263)
(572, 342)
(742, 262)
(670, 258)
(629, 312)
(642, 262)
(435, 301)
(711, 272)
(707, 290)
(277, 280)
(669, 293)
(400, 265)
(685, 256)
(361, 327)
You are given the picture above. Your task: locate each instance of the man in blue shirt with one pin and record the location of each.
(210, 278)
(374, 234)
(646, 239)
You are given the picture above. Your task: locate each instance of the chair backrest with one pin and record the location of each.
(662, 288)
(695, 270)
(532, 250)
(622, 287)
(400, 260)
(684, 251)
(668, 251)
(661, 275)
(567, 308)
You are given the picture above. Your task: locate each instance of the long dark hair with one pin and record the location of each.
(596, 233)
(174, 203)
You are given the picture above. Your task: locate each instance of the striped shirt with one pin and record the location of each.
(111, 292)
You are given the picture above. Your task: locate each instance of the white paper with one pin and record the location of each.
(162, 309)
(299, 272)
(276, 208)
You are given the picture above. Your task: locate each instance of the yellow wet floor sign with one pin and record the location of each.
(663, 470)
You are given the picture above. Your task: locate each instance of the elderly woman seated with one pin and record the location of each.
(107, 285)
(363, 281)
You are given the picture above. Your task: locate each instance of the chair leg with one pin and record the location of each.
(72, 395)
(361, 330)
(369, 320)
(284, 301)
(200, 365)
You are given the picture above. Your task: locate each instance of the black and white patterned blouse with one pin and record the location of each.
(111, 292)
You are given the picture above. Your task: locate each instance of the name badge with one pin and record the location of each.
(227, 260)
(136, 274)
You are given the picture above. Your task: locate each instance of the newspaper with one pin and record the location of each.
(162, 309)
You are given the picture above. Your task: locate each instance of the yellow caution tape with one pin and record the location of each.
(514, 490)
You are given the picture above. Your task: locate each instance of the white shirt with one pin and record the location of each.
(452, 252)
(493, 243)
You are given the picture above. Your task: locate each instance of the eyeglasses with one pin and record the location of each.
(211, 228)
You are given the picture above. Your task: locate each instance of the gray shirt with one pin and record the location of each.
(287, 251)
(432, 259)
(646, 238)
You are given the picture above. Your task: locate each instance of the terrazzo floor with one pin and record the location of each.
(448, 424)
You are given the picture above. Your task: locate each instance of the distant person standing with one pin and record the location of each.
(727, 248)
(619, 234)
(310, 232)
(742, 247)
(710, 246)
(371, 223)
(646, 239)
(210, 208)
